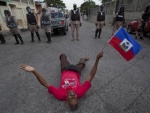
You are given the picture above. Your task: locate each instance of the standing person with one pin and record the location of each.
(45, 24)
(2, 39)
(144, 19)
(12, 24)
(100, 21)
(70, 89)
(32, 24)
(118, 20)
(75, 21)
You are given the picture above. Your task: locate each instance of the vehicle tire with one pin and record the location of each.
(64, 30)
(129, 29)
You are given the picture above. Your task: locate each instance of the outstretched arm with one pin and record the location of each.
(38, 76)
(94, 69)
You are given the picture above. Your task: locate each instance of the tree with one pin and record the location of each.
(56, 3)
(86, 5)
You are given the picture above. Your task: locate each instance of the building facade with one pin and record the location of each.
(133, 9)
(18, 9)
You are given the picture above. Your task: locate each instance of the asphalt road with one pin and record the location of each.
(118, 87)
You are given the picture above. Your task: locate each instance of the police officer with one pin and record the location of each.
(32, 24)
(12, 24)
(2, 39)
(75, 21)
(118, 20)
(100, 21)
(45, 24)
(145, 16)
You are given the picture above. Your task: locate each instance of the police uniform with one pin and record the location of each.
(13, 26)
(145, 16)
(100, 22)
(32, 24)
(46, 25)
(118, 21)
(75, 21)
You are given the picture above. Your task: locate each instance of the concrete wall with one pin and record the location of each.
(133, 9)
(18, 9)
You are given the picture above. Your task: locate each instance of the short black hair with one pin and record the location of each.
(73, 107)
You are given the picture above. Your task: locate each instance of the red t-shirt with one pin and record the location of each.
(70, 80)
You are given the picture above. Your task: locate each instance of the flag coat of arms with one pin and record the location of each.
(125, 44)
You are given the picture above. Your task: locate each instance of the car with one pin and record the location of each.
(133, 26)
(59, 22)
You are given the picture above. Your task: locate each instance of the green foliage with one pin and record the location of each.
(87, 5)
(56, 3)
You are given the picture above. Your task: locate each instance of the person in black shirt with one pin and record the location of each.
(32, 24)
(118, 20)
(100, 21)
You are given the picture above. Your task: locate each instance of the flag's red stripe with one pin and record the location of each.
(115, 43)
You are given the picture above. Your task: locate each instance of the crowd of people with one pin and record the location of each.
(75, 22)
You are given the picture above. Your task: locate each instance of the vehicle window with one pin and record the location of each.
(56, 15)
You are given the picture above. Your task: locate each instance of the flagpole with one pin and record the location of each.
(110, 39)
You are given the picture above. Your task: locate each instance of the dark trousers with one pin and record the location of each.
(64, 63)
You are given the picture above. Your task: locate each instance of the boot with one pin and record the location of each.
(48, 34)
(32, 37)
(20, 39)
(2, 39)
(99, 33)
(96, 33)
(37, 34)
(16, 38)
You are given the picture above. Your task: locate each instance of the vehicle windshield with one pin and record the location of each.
(56, 15)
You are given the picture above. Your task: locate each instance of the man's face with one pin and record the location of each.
(29, 9)
(122, 9)
(101, 8)
(75, 6)
(72, 99)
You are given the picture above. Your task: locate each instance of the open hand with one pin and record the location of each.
(27, 68)
(100, 55)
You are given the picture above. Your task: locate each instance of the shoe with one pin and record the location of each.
(77, 39)
(17, 43)
(48, 41)
(141, 38)
(22, 43)
(32, 41)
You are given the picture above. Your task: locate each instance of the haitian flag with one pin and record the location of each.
(125, 44)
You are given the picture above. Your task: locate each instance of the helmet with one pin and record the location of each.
(74, 4)
(7, 12)
(101, 6)
(43, 10)
(147, 7)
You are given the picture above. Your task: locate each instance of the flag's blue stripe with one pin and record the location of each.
(122, 34)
